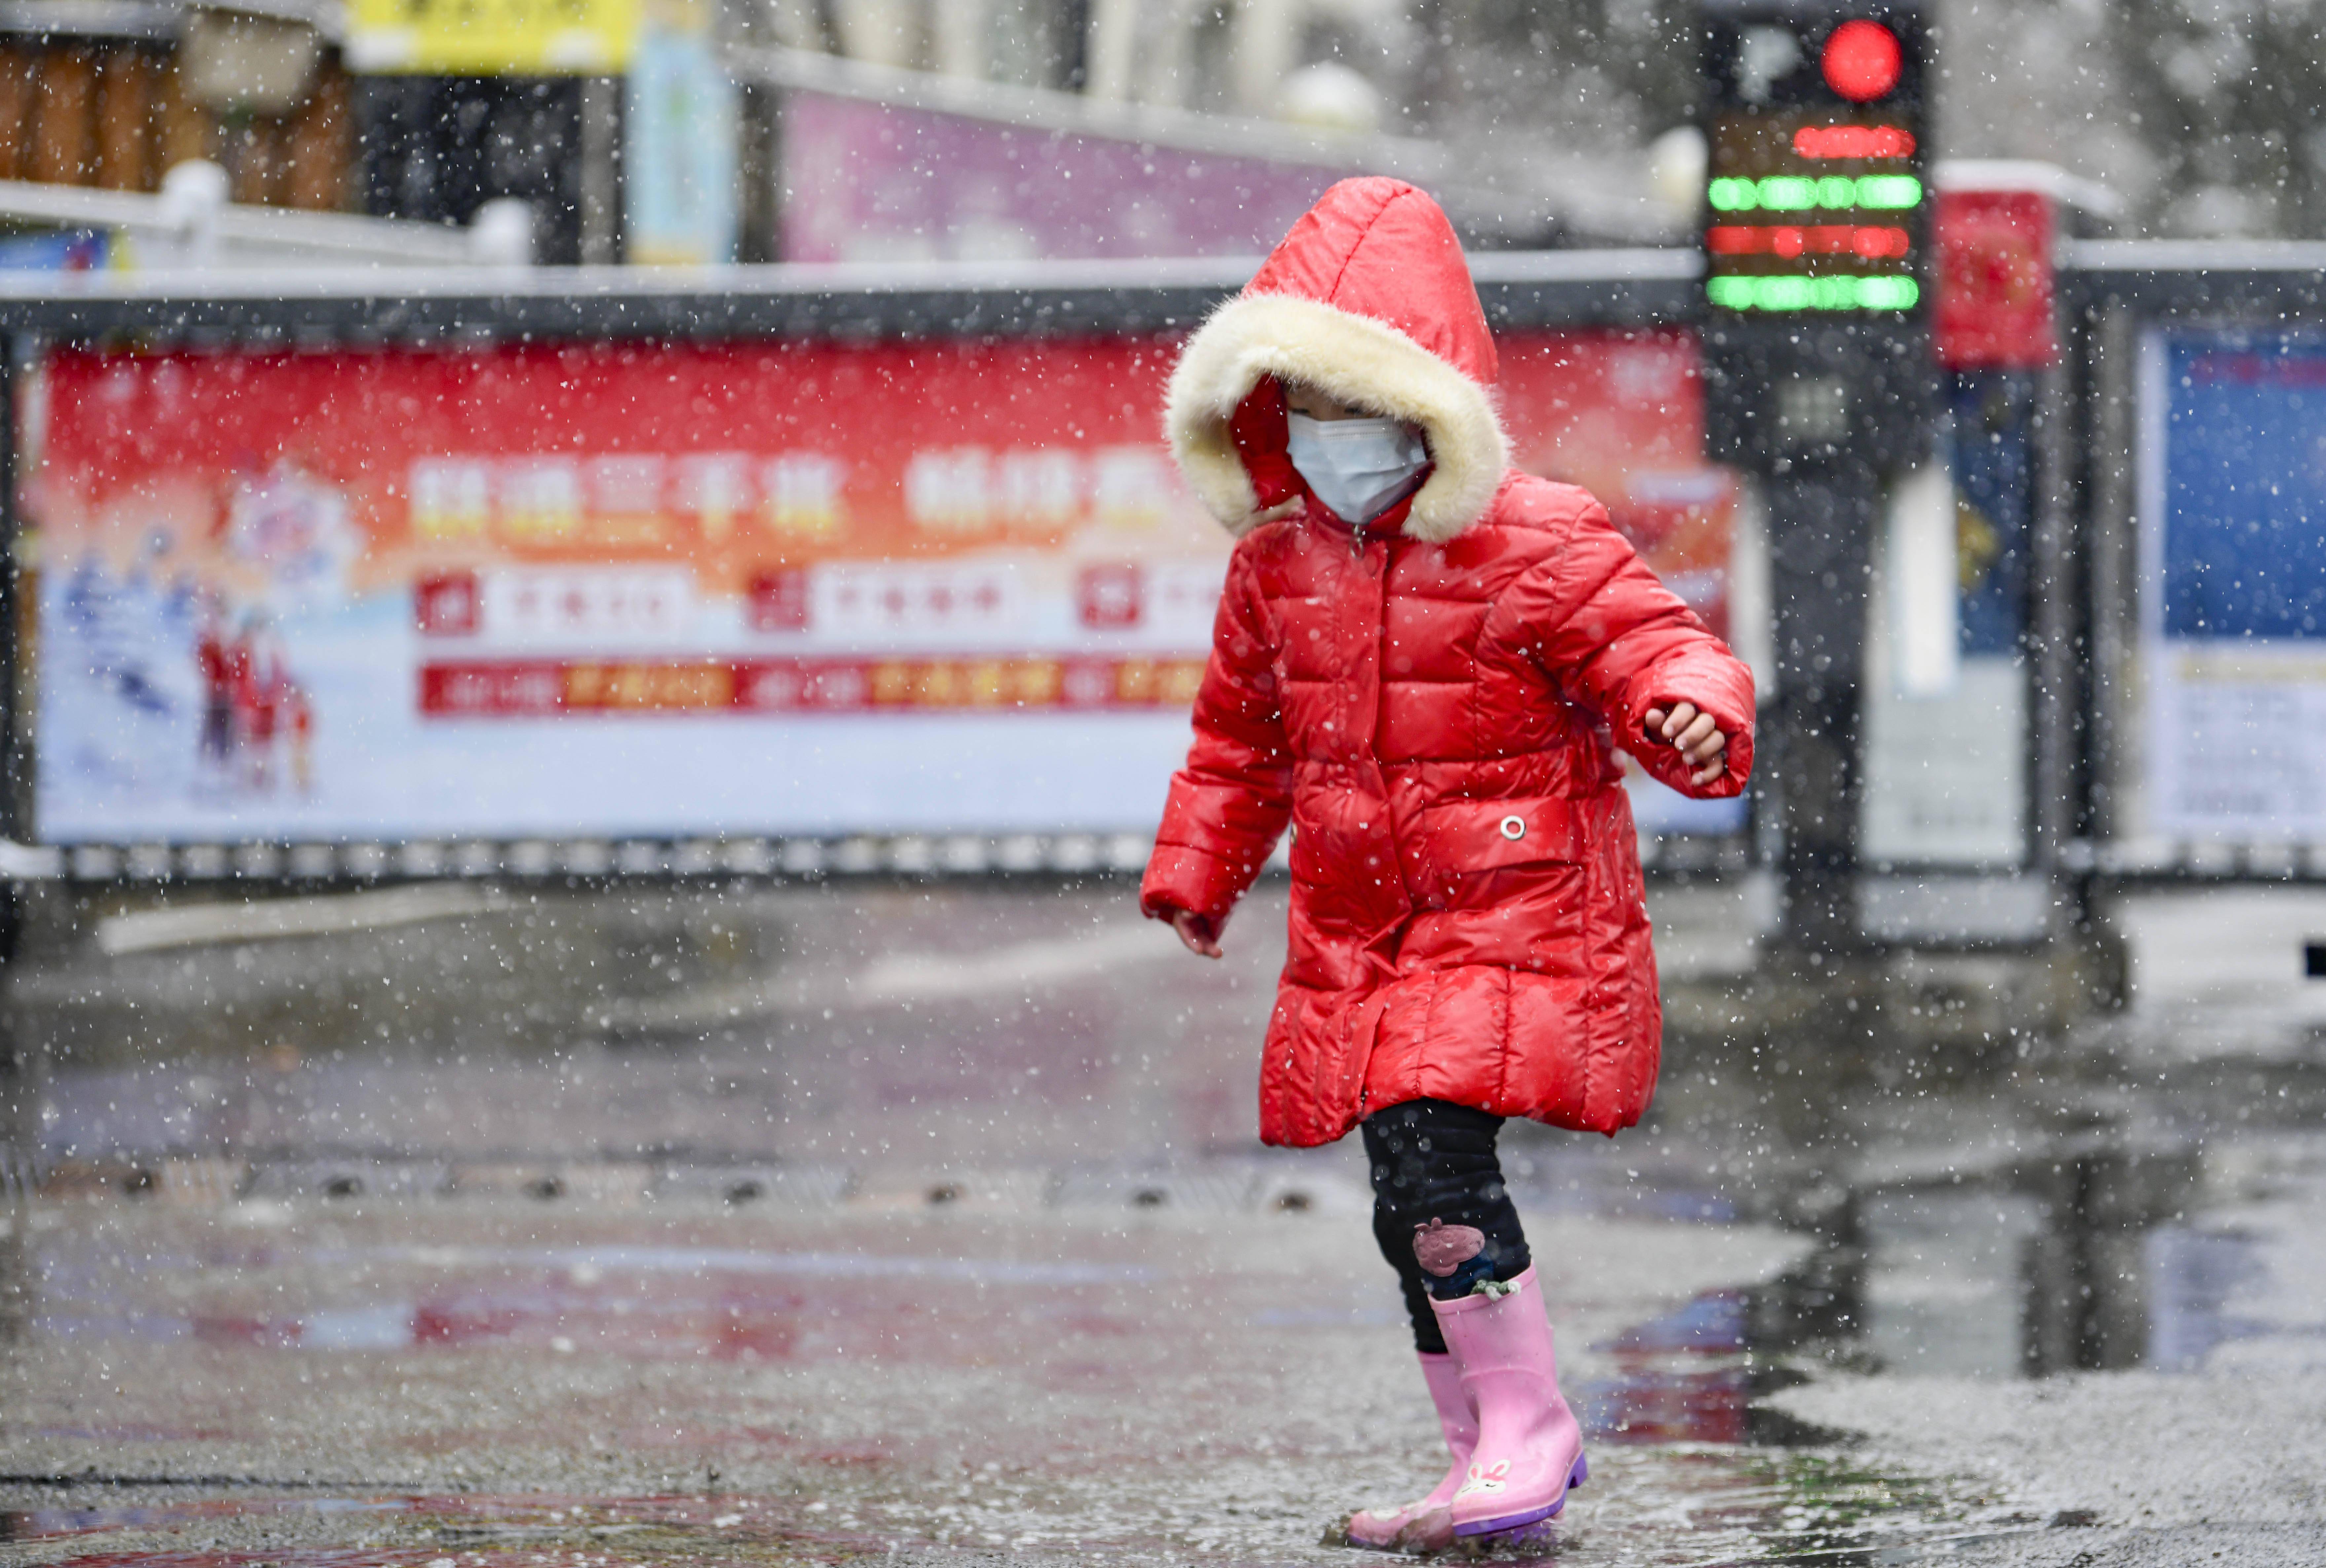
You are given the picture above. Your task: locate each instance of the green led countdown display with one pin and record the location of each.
(1778, 291)
(1817, 200)
(1794, 193)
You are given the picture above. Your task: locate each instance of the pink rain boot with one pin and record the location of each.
(1427, 1523)
(1529, 1448)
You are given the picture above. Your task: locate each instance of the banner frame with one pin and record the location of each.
(1634, 289)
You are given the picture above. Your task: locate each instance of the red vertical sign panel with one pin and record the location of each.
(1995, 281)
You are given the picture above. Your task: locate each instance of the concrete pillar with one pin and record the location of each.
(961, 37)
(1111, 48)
(882, 32)
(1262, 41)
(602, 170)
(1162, 51)
(797, 25)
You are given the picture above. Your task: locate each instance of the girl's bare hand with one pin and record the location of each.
(1199, 932)
(1697, 736)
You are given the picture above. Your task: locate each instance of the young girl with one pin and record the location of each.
(1422, 664)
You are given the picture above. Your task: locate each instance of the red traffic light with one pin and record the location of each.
(1861, 60)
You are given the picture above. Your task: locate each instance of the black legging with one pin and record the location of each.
(1435, 1159)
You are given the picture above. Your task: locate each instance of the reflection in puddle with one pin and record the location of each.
(1697, 1374)
(2082, 1259)
(726, 1303)
(52, 1523)
(1943, 1294)
(1682, 1377)
(2193, 1275)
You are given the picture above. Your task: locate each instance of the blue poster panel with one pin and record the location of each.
(2233, 583)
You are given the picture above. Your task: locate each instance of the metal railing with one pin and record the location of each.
(192, 225)
(1642, 287)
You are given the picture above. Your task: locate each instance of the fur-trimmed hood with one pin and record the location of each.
(1369, 300)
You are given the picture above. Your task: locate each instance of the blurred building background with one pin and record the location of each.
(698, 130)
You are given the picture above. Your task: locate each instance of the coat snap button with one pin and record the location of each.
(1514, 828)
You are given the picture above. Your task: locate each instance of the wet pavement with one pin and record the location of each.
(925, 1225)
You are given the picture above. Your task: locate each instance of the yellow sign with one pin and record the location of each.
(491, 37)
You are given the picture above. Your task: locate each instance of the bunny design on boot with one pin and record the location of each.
(1530, 1447)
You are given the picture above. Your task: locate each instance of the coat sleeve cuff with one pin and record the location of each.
(1182, 878)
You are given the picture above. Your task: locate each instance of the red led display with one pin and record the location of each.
(1818, 239)
(1853, 142)
(1861, 60)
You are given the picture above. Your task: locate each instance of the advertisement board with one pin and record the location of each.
(2233, 583)
(777, 588)
(490, 37)
(873, 181)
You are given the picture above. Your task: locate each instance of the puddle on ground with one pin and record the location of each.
(1696, 1375)
(1689, 1468)
(2092, 1256)
(2087, 1256)
(1992, 1278)
(1801, 1509)
(49, 1524)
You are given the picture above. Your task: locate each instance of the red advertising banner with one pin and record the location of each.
(753, 588)
(1995, 281)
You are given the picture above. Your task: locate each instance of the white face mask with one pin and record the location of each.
(1358, 467)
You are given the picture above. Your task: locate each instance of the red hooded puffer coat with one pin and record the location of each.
(1430, 702)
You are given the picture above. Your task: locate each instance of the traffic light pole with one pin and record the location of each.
(1821, 520)
(1829, 415)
